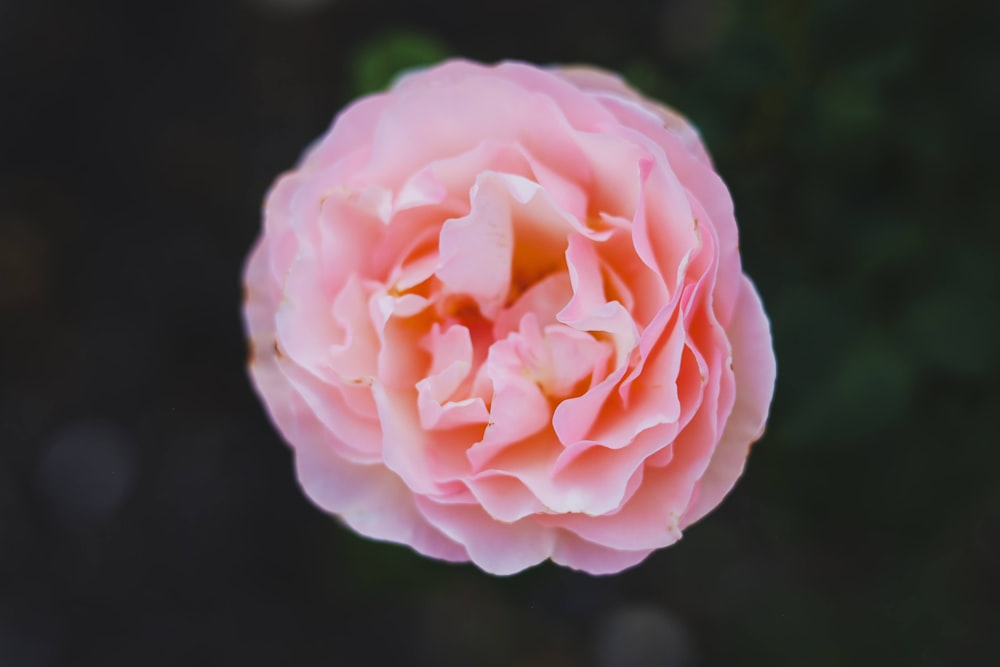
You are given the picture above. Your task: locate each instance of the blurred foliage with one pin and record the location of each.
(379, 60)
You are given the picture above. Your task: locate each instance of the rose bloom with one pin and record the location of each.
(499, 314)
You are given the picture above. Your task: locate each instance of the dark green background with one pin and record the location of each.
(149, 513)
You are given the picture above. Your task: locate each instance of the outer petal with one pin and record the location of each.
(631, 108)
(498, 548)
(649, 520)
(579, 554)
(368, 497)
(755, 369)
(352, 130)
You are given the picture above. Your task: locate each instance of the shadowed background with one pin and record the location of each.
(149, 513)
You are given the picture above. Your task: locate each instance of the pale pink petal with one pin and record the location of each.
(689, 161)
(337, 181)
(436, 414)
(579, 554)
(283, 244)
(578, 110)
(565, 190)
(664, 227)
(572, 357)
(446, 73)
(452, 357)
(402, 362)
(504, 496)
(356, 436)
(754, 367)
(540, 230)
(352, 129)
(654, 401)
(514, 237)
(261, 295)
(429, 122)
(617, 172)
(649, 520)
(352, 430)
(338, 343)
(728, 277)
(644, 290)
(544, 300)
(612, 319)
(416, 273)
(476, 250)
(426, 124)
(405, 445)
(370, 499)
(597, 485)
(404, 306)
(497, 548)
(450, 178)
(599, 479)
(650, 340)
(411, 233)
(633, 110)
(574, 417)
(586, 279)
(306, 327)
(519, 409)
(416, 269)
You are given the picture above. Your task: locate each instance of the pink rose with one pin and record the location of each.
(499, 313)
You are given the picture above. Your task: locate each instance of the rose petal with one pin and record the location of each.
(476, 250)
(498, 548)
(572, 356)
(452, 358)
(519, 409)
(544, 300)
(586, 279)
(663, 228)
(352, 129)
(369, 498)
(579, 554)
(504, 496)
(755, 370)
(649, 520)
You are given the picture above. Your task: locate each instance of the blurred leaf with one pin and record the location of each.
(954, 331)
(382, 58)
(647, 78)
(850, 106)
(870, 389)
(886, 246)
(812, 328)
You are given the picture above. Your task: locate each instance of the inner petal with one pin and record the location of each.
(452, 358)
(544, 299)
(519, 408)
(513, 237)
(476, 250)
(531, 370)
(558, 357)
